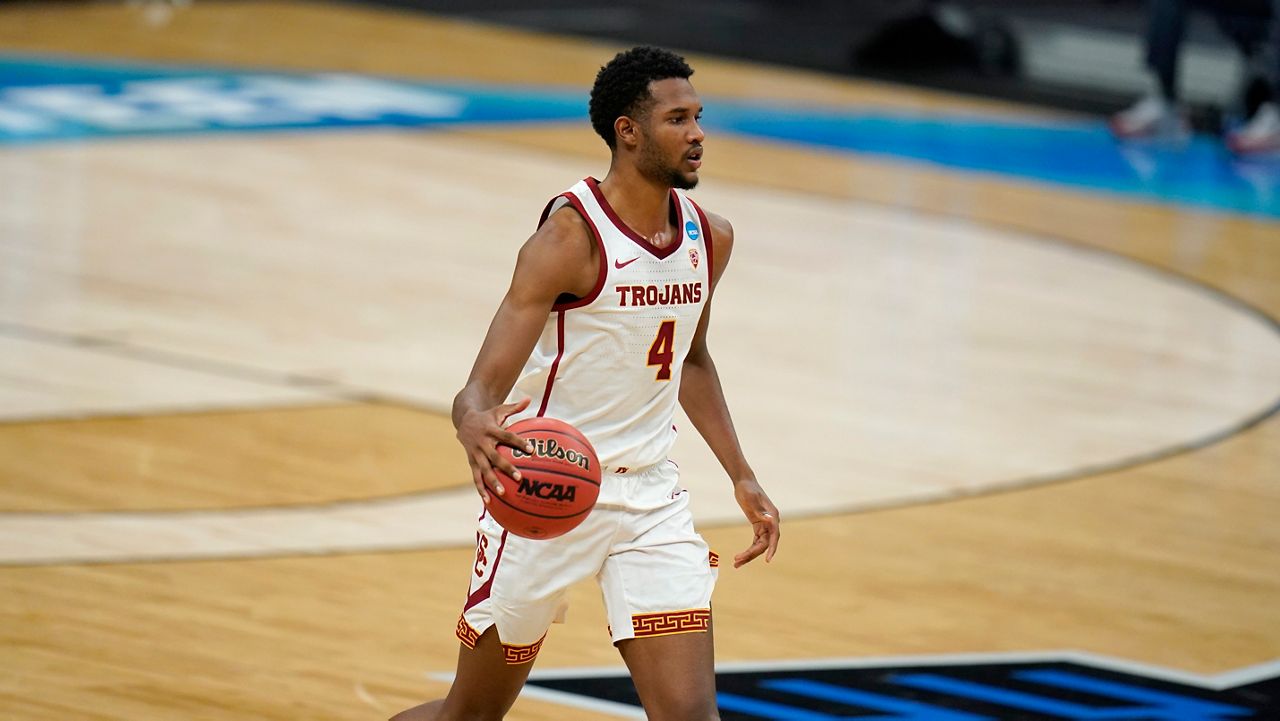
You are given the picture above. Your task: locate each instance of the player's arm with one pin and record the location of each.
(702, 398)
(559, 258)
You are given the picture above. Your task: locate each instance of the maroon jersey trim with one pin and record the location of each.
(626, 230)
(602, 273)
(555, 365)
(707, 243)
(546, 212)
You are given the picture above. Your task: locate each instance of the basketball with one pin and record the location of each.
(558, 485)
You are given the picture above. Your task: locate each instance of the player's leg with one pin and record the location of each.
(516, 592)
(657, 585)
(674, 675)
(484, 688)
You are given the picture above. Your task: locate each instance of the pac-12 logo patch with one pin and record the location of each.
(691, 230)
(693, 257)
(1065, 686)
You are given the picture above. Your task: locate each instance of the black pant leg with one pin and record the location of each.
(1166, 26)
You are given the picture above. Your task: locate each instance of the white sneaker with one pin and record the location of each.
(1260, 135)
(1151, 118)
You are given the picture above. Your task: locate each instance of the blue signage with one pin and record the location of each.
(51, 100)
(48, 99)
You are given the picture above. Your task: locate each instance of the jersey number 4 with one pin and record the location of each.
(662, 352)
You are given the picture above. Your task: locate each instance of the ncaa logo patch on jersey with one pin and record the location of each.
(693, 257)
(691, 230)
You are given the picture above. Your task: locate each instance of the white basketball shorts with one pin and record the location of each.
(655, 572)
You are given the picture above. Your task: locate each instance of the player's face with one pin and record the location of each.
(671, 151)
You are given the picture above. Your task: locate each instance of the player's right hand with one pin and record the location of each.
(480, 433)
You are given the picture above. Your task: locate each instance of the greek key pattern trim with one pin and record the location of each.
(466, 634)
(515, 655)
(713, 559)
(661, 624)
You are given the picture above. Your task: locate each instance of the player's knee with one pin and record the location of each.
(474, 710)
(412, 714)
(429, 711)
(691, 715)
(686, 709)
(439, 714)
(482, 714)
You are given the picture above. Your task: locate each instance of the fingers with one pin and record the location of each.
(484, 469)
(501, 463)
(510, 409)
(480, 433)
(507, 438)
(479, 481)
(765, 541)
(774, 533)
(751, 553)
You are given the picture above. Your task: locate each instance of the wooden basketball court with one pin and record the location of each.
(997, 415)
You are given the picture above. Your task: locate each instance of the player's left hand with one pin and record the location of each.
(764, 519)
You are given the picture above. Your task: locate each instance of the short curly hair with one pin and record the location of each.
(622, 86)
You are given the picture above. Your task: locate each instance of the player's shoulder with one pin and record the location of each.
(560, 256)
(721, 230)
(720, 226)
(564, 228)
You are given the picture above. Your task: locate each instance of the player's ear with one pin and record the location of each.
(627, 131)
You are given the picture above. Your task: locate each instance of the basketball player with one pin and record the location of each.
(605, 327)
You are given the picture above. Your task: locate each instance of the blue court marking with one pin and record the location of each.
(1158, 707)
(768, 709)
(1082, 154)
(56, 99)
(901, 709)
(1170, 704)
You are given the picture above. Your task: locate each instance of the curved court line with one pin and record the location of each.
(1074, 474)
(441, 518)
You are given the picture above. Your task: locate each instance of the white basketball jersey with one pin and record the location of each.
(610, 363)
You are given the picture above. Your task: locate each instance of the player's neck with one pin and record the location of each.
(643, 205)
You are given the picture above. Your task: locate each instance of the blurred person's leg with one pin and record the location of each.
(1166, 27)
(1247, 23)
(1156, 115)
(1261, 135)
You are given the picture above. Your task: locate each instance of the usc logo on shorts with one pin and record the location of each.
(661, 624)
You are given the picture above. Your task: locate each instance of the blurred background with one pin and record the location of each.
(1076, 56)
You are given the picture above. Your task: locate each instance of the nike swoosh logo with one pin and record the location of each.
(620, 265)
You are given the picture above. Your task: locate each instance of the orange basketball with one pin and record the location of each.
(558, 485)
